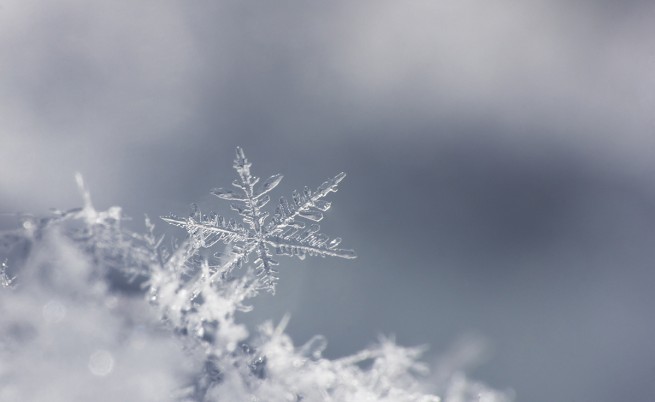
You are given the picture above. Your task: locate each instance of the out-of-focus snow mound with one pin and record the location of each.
(65, 337)
(66, 334)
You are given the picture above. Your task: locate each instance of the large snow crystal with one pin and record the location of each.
(284, 233)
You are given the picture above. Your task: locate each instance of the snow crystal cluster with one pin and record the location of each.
(90, 310)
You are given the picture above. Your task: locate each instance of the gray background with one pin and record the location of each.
(500, 158)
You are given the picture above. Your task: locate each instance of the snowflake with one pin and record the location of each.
(284, 233)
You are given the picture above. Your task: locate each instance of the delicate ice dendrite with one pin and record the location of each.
(283, 234)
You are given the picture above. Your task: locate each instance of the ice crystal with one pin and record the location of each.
(284, 233)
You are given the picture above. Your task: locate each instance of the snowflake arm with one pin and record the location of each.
(303, 242)
(306, 205)
(210, 230)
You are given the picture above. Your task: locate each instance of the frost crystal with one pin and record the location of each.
(285, 234)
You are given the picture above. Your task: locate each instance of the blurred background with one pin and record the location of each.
(500, 159)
